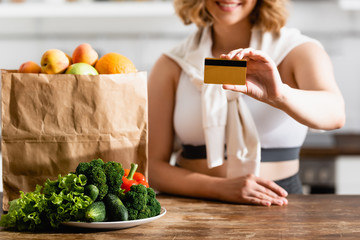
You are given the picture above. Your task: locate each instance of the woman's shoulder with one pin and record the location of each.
(308, 59)
(165, 69)
(167, 65)
(296, 37)
(300, 46)
(279, 45)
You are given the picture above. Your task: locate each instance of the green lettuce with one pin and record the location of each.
(49, 205)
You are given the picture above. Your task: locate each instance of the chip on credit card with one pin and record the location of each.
(223, 71)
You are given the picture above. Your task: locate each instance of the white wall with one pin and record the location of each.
(347, 179)
(339, 31)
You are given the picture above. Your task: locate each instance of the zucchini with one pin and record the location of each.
(92, 191)
(116, 211)
(96, 212)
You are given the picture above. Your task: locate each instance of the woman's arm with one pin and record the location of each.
(305, 88)
(166, 178)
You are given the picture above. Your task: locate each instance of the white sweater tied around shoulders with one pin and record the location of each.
(226, 119)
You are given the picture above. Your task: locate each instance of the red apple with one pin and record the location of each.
(54, 61)
(84, 53)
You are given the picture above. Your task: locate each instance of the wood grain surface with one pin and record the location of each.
(306, 217)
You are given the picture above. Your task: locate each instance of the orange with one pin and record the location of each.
(112, 63)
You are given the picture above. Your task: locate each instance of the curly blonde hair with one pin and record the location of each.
(269, 15)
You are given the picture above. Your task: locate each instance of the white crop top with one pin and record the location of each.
(276, 129)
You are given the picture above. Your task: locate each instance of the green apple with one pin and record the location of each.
(81, 69)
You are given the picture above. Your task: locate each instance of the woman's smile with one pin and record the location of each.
(228, 6)
(229, 12)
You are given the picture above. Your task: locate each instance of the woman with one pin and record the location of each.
(289, 88)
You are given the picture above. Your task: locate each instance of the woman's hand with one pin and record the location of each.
(307, 90)
(252, 190)
(263, 80)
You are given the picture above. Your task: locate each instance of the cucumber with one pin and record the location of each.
(116, 211)
(92, 191)
(96, 212)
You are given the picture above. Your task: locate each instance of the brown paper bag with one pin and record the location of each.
(50, 123)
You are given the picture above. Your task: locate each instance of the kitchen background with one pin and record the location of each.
(142, 30)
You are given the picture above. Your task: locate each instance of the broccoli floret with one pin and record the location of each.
(82, 168)
(152, 203)
(151, 193)
(114, 173)
(132, 213)
(97, 162)
(107, 177)
(97, 177)
(144, 213)
(85, 167)
(95, 174)
(141, 202)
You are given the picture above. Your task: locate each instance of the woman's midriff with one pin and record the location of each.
(268, 170)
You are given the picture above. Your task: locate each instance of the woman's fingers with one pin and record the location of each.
(260, 198)
(231, 54)
(246, 54)
(238, 88)
(251, 189)
(272, 186)
(273, 200)
(257, 201)
(265, 199)
(263, 192)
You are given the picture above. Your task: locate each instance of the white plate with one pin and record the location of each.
(115, 225)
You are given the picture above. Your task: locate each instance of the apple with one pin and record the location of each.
(29, 67)
(54, 61)
(85, 53)
(81, 69)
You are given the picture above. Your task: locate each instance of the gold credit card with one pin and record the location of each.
(221, 71)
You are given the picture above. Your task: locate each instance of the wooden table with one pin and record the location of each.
(306, 217)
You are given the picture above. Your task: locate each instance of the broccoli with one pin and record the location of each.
(98, 162)
(86, 167)
(114, 173)
(141, 202)
(107, 177)
(82, 168)
(95, 175)
(152, 203)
